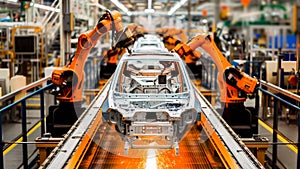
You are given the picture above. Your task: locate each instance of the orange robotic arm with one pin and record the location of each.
(112, 54)
(69, 79)
(170, 42)
(184, 51)
(137, 30)
(170, 32)
(233, 84)
(169, 38)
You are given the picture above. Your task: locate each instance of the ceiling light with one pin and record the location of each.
(98, 5)
(36, 5)
(121, 6)
(149, 11)
(140, 4)
(49, 8)
(177, 6)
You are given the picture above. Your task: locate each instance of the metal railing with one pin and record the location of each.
(22, 101)
(287, 94)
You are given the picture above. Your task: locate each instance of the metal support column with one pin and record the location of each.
(31, 12)
(61, 32)
(65, 36)
(217, 13)
(298, 37)
(189, 19)
(42, 113)
(275, 128)
(279, 69)
(150, 14)
(298, 145)
(1, 144)
(24, 135)
(298, 69)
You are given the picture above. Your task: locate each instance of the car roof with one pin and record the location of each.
(153, 55)
(148, 43)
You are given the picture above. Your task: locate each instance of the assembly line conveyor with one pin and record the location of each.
(91, 143)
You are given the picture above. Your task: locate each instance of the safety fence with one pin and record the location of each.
(36, 88)
(280, 97)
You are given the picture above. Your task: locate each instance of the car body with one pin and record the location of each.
(150, 43)
(152, 98)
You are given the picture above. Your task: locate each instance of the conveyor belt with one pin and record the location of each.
(107, 153)
(93, 144)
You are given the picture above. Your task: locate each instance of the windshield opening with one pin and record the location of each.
(150, 77)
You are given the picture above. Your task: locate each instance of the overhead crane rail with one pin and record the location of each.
(70, 152)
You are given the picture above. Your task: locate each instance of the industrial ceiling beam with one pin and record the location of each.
(98, 5)
(122, 7)
(160, 13)
(176, 6)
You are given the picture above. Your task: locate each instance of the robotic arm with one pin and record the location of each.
(169, 32)
(137, 31)
(112, 54)
(234, 85)
(69, 78)
(169, 38)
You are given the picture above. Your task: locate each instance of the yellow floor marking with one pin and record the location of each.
(33, 105)
(292, 147)
(34, 98)
(21, 139)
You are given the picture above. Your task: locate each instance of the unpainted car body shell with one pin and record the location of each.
(151, 98)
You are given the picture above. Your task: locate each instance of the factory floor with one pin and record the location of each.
(13, 154)
(287, 154)
(288, 132)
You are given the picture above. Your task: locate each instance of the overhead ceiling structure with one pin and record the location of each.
(165, 9)
(163, 12)
(179, 7)
(170, 7)
(154, 7)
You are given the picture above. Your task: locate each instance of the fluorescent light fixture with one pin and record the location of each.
(98, 5)
(49, 8)
(36, 5)
(121, 6)
(177, 6)
(149, 11)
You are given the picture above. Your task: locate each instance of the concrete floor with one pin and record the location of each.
(14, 158)
(287, 158)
